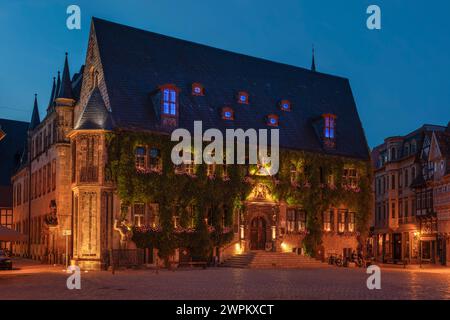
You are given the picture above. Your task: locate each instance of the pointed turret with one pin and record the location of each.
(313, 63)
(58, 86)
(52, 96)
(65, 91)
(35, 119)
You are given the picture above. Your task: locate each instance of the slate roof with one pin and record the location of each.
(443, 139)
(11, 147)
(95, 115)
(135, 62)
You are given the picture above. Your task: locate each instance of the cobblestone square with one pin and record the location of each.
(35, 281)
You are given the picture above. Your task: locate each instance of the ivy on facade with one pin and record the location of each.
(307, 187)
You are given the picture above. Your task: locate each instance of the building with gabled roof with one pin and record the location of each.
(137, 83)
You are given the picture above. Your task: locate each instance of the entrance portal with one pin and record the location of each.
(258, 234)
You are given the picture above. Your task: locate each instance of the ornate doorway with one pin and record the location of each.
(258, 234)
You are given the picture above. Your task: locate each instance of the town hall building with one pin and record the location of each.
(96, 176)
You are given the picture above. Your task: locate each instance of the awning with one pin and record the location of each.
(10, 235)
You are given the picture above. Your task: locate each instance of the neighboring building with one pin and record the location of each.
(405, 224)
(12, 140)
(43, 179)
(434, 188)
(99, 163)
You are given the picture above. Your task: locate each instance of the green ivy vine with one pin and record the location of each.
(174, 192)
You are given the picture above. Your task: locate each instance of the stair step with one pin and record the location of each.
(263, 259)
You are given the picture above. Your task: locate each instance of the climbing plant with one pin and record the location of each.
(302, 180)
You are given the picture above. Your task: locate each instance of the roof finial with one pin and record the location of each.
(313, 64)
(65, 91)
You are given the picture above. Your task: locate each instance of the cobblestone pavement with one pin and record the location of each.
(35, 281)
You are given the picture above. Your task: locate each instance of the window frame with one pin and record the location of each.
(329, 126)
(241, 94)
(171, 88)
(282, 103)
(200, 86)
(227, 109)
(275, 117)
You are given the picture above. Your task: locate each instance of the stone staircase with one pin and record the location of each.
(267, 260)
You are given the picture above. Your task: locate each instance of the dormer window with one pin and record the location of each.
(243, 97)
(329, 126)
(169, 100)
(197, 89)
(227, 113)
(285, 105)
(272, 120)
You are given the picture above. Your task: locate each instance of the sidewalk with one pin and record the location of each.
(431, 268)
(29, 266)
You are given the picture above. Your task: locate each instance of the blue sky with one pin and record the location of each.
(399, 75)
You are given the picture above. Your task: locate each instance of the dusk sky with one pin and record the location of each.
(399, 75)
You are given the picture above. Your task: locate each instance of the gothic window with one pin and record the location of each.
(89, 159)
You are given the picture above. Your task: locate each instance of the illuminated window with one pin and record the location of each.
(139, 214)
(294, 174)
(285, 105)
(140, 158)
(154, 159)
(169, 100)
(227, 113)
(243, 97)
(342, 216)
(186, 167)
(350, 177)
(197, 89)
(296, 220)
(272, 120)
(329, 126)
(328, 220)
(351, 222)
